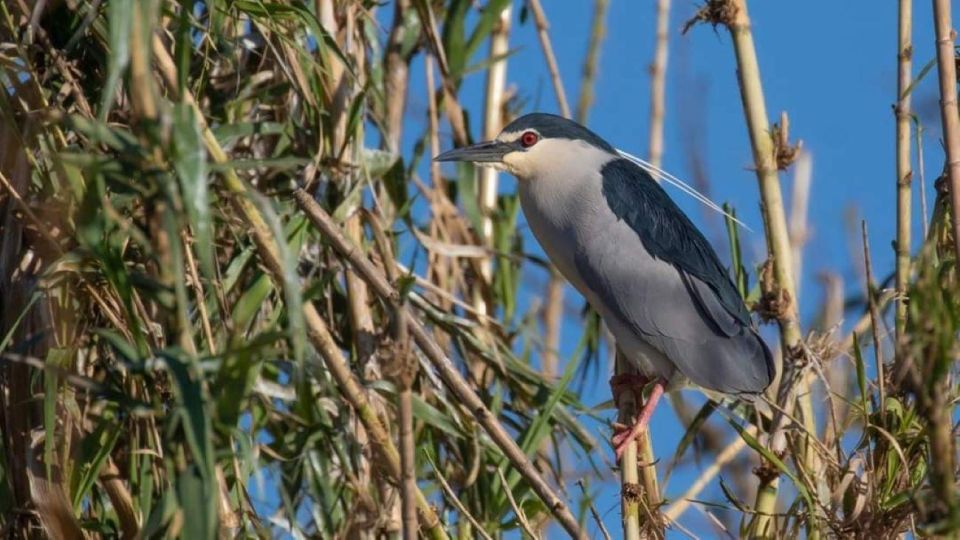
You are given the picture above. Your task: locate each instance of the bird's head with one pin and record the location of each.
(534, 145)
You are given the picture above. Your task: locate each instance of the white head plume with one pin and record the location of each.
(657, 172)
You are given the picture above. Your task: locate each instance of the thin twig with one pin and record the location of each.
(540, 19)
(675, 510)
(923, 183)
(521, 516)
(452, 497)
(875, 320)
(949, 115)
(594, 513)
(201, 298)
(598, 29)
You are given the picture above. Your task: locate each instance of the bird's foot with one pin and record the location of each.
(624, 435)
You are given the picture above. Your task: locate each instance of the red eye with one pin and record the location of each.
(529, 139)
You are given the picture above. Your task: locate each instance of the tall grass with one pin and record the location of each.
(232, 306)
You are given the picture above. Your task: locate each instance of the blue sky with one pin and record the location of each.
(831, 65)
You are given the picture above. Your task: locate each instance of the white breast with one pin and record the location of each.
(560, 197)
(564, 205)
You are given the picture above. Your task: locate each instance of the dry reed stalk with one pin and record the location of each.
(543, 27)
(923, 183)
(598, 29)
(630, 488)
(949, 114)
(779, 292)
(492, 124)
(317, 330)
(904, 172)
(446, 370)
(799, 200)
(658, 83)
(403, 369)
(875, 321)
(396, 77)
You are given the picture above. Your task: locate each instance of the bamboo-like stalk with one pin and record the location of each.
(317, 330)
(446, 370)
(949, 115)
(403, 371)
(778, 244)
(598, 29)
(630, 490)
(904, 171)
(658, 82)
(800, 198)
(922, 181)
(492, 123)
(396, 75)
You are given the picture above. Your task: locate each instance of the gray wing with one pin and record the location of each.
(655, 271)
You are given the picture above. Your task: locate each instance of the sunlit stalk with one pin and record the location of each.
(658, 83)
(492, 124)
(949, 115)
(778, 247)
(904, 172)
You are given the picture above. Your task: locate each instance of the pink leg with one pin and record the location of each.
(624, 436)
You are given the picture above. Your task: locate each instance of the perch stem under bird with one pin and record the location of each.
(624, 244)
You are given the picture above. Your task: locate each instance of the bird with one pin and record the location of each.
(616, 235)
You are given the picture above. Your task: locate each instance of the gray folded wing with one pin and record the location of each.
(653, 270)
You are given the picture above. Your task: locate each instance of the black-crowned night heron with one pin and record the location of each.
(616, 235)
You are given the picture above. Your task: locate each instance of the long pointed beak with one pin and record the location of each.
(485, 152)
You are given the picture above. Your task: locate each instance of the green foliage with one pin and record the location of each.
(168, 372)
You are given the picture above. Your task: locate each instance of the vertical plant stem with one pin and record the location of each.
(949, 115)
(875, 320)
(540, 19)
(396, 68)
(647, 463)
(630, 490)
(904, 172)
(778, 246)
(492, 123)
(658, 82)
(923, 182)
(800, 198)
(598, 29)
(489, 178)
